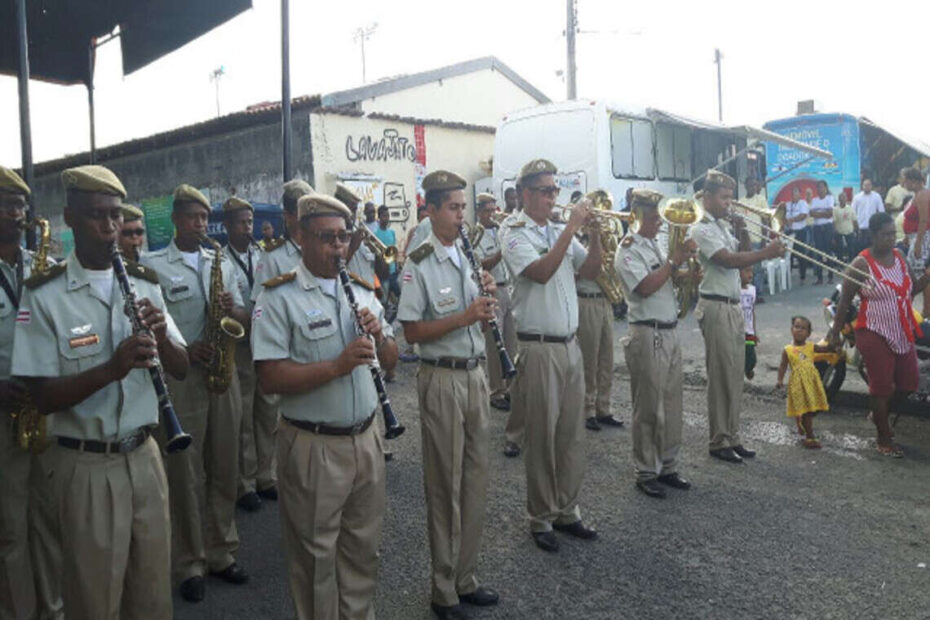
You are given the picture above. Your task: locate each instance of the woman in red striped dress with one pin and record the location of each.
(885, 325)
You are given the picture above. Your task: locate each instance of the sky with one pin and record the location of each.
(657, 53)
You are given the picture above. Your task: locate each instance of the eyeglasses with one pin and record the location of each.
(550, 191)
(13, 208)
(330, 236)
(132, 232)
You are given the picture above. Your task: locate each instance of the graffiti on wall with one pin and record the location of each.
(395, 199)
(390, 146)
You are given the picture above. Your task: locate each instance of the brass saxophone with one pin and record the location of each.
(223, 332)
(29, 427)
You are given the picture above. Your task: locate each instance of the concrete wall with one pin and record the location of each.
(385, 162)
(478, 98)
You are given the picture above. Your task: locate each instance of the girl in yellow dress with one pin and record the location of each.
(806, 396)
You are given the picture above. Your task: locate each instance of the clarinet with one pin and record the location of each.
(177, 439)
(392, 428)
(507, 368)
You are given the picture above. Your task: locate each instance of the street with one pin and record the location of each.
(836, 533)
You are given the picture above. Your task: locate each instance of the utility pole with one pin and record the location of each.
(25, 127)
(286, 90)
(571, 27)
(362, 34)
(215, 76)
(717, 57)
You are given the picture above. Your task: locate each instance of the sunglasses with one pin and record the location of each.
(550, 191)
(330, 236)
(132, 232)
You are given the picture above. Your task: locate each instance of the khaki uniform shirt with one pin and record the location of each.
(435, 288)
(711, 236)
(362, 264)
(489, 245)
(549, 309)
(298, 320)
(636, 261)
(65, 327)
(15, 275)
(245, 265)
(421, 233)
(187, 292)
(272, 264)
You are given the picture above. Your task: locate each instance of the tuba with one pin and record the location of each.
(680, 213)
(223, 332)
(29, 426)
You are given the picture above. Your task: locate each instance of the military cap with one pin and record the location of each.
(314, 205)
(12, 183)
(535, 168)
(346, 194)
(484, 197)
(189, 193)
(720, 178)
(645, 198)
(131, 213)
(96, 179)
(443, 180)
(234, 204)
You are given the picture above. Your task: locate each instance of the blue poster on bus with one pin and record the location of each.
(787, 168)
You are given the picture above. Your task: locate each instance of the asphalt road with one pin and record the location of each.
(837, 533)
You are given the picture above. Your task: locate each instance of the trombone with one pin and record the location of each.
(387, 253)
(776, 226)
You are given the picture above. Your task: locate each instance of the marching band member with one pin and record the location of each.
(282, 254)
(132, 235)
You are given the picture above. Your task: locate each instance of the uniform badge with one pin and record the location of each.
(83, 341)
(24, 316)
(179, 289)
(445, 291)
(257, 313)
(177, 278)
(80, 330)
(408, 276)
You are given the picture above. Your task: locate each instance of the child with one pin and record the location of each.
(747, 301)
(806, 396)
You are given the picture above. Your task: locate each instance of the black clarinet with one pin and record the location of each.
(392, 428)
(177, 439)
(507, 368)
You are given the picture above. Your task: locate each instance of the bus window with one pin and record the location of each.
(673, 146)
(631, 148)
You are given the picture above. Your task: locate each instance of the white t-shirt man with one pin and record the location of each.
(794, 209)
(865, 206)
(822, 203)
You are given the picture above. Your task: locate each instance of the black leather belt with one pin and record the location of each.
(544, 338)
(657, 324)
(592, 295)
(326, 429)
(453, 364)
(123, 446)
(722, 298)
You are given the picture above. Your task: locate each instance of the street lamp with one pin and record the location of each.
(362, 34)
(215, 76)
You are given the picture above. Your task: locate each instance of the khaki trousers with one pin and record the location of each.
(596, 339)
(256, 435)
(204, 478)
(653, 357)
(30, 556)
(504, 315)
(332, 498)
(549, 392)
(724, 333)
(455, 433)
(115, 528)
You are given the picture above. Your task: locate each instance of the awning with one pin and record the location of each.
(918, 145)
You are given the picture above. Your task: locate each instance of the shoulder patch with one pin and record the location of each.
(38, 280)
(143, 273)
(425, 249)
(274, 244)
(281, 279)
(361, 281)
(627, 242)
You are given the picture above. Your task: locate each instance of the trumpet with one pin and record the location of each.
(387, 253)
(679, 214)
(776, 226)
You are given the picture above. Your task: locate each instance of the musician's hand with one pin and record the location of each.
(200, 352)
(370, 323)
(12, 392)
(683, 252)
(579, 215)
(737, 221)
(360, 352)
(481, 309)
(153, 319)
(137, 351)
(775, 249)
(226, 302)
(358, 235)
(487, 280)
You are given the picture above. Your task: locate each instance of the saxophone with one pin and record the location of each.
(223, 332)
(29, 426)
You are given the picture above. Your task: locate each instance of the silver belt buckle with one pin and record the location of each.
(356, 428)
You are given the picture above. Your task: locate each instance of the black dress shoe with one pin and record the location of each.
(511, 450)
(250, 502)
(576, 529)
(499, 402)
(591, 424)
(726, 454)
(482, 597)
(271, 493)
(651, 488)
(744, 452)
(546, 541)
(233, 574)
(675, 481)
(193, 589)
(450, 612)
(609, 420)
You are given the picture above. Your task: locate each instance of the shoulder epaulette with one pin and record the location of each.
(627, 241)
(516, 224)
(423, 250)
(37, 280)
(281, 279)
(361, 281)
(274, 244)
(160, 252)
(138, 271)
